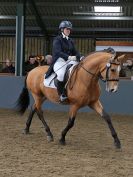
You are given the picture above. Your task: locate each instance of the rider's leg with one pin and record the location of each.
(60, 69)
(61, 90)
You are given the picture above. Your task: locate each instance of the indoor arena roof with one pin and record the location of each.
(43, 17)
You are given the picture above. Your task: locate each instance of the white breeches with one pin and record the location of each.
(60, 67)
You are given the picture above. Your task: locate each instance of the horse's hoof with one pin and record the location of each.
(50, 138)
(117, 144)
(62, 142)
(25, 131)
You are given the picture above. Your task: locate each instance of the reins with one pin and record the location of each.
(75, 69)
(107, 68)
(99, 76)
(93, 74)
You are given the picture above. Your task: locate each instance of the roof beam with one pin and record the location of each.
(89, 18)
(10, 17)
(38, 18)
(102, 35)
(83, 17)
(88, 4)
(10, 28)
(97, 29)
(96, 36)
(70, 4)
(7, 4)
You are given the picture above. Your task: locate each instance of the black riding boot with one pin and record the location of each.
(61, 90)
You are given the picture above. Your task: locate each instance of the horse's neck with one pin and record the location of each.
(94, 61)
(91, 67)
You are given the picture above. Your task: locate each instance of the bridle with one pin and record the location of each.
(107, 68)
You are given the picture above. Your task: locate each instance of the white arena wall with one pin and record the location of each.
(116, 48)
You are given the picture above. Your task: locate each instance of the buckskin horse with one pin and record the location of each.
(82, 89)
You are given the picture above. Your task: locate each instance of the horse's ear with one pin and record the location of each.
(122, 58)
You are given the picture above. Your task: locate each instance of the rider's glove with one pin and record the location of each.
(81, 58)
(73, 58)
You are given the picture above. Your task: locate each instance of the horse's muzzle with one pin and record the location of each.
(111, 89)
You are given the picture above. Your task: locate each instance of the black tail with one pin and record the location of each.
(23, 100)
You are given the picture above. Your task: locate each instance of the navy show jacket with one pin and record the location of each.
(62, 48)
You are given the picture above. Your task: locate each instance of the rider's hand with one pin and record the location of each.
(81, 58)
(73, 58)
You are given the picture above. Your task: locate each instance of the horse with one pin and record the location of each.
(83, 89)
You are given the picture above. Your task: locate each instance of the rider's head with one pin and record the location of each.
(65, 26)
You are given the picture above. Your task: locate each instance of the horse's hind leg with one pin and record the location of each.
(70, 124)
(29, 120)
(99, 109)
(38, 103)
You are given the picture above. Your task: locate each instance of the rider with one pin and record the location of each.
(64, 53)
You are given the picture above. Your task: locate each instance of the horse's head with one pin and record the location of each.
(110, 72)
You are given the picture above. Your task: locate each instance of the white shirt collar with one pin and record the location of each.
(64, 36)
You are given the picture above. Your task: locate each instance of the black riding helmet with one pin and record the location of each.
(65, 24)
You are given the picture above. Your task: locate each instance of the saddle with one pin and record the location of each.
(67, 73)
(51, 80)
(62, 88)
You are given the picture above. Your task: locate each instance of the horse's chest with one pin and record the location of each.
(89, 96)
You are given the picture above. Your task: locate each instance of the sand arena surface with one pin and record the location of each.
(89, 151)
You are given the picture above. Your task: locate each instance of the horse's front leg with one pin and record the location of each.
(99, 109)
(70, 124)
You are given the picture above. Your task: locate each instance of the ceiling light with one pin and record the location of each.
(107, 9)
